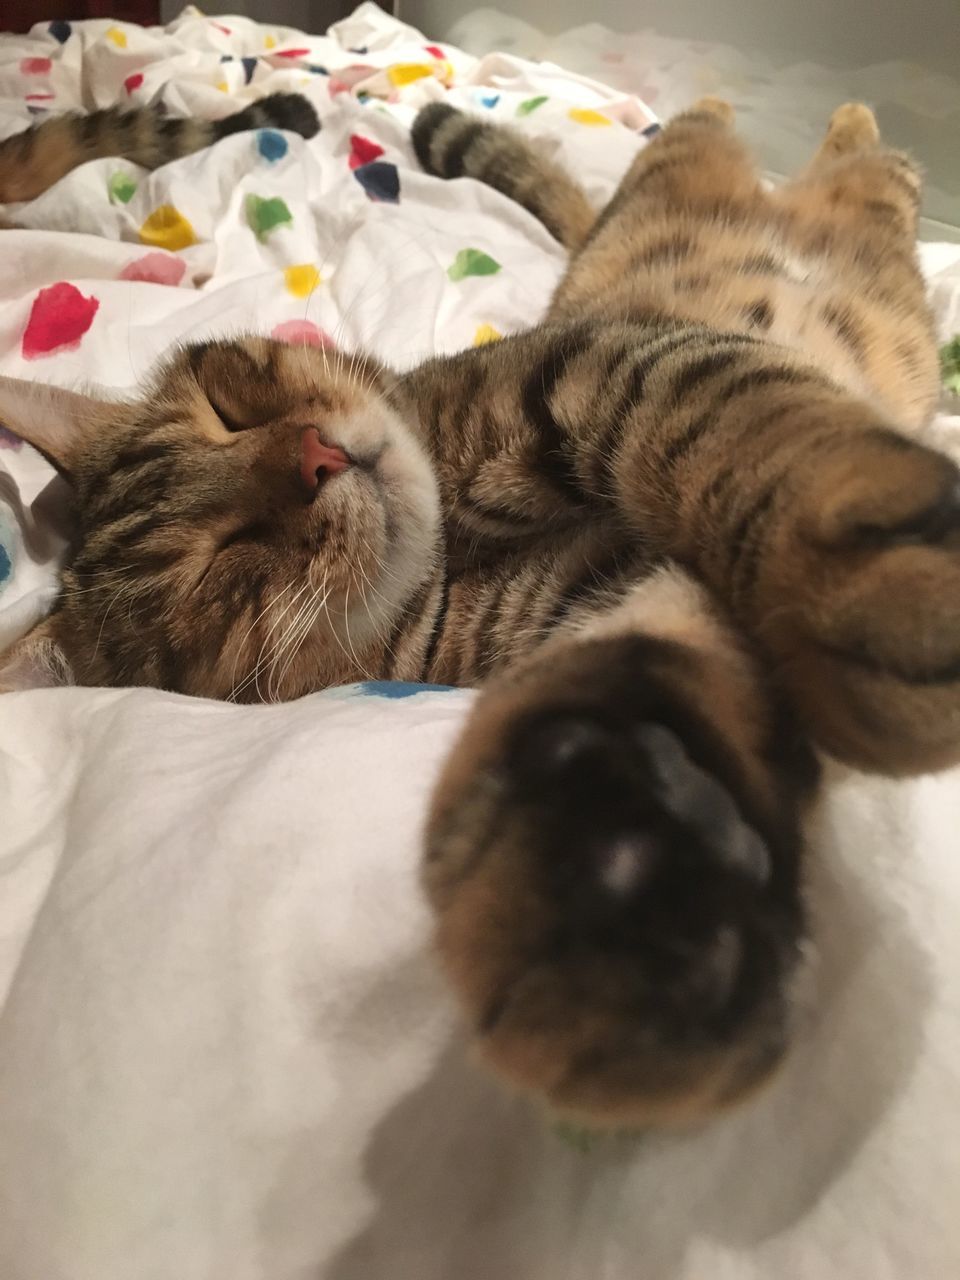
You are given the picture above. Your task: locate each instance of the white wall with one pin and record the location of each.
(841, 32)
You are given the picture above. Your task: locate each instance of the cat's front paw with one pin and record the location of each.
(616, 910)
(862, 606)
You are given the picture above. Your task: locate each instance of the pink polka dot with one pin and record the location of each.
(155, 268)
(302, 333)
(59, 318)
(38, 97)
(133, 82)
(35, 66)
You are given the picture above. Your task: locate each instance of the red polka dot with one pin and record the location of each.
(133, 82)
(59, 318)
(226, 30)
(38, 97)
(35, 66)
(362, 151)
(292, 53)
(434, 50)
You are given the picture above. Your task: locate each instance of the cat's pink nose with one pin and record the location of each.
(319, 461)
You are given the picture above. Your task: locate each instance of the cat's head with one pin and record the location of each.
(256, 526)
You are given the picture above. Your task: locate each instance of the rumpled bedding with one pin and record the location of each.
(225, 1050)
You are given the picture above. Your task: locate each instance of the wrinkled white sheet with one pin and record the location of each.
(224, 1050)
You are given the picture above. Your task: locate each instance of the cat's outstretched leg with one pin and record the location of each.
(612, 860)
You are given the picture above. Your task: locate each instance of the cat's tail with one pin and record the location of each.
(451, 144)
(34, 160)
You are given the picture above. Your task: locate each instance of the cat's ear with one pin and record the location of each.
(36, 660)
(62, 425)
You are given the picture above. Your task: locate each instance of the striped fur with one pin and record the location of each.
(34, 160)
(679, 532)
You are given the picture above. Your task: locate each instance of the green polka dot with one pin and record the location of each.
(530, 104)
(472, 262)
(950, 365)
(122, 188)
(265, 216)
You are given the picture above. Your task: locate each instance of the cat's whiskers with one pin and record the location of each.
(232, 696)
(302, 629)
(254, 676)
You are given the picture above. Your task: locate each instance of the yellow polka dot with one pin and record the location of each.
(270, 42)
(406, 72)
(223, 87)
(167, 228)
(486, 333)
(302, 280)
(583, 115)
(118, 37)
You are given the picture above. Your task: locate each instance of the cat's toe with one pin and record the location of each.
(868, 633)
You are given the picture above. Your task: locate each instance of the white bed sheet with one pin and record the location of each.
(224, 1049)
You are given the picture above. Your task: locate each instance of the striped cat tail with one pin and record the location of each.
(34, 160)
(452, 144)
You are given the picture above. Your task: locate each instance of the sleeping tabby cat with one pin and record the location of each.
(682, 532)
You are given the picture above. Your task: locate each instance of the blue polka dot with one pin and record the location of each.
(249, 66)
(361, 49)
(8, 547)
(272, 146)
(651, 130)
(226, 57)
(491, 101)
(60, 31)
(400, 688)
(381, 181)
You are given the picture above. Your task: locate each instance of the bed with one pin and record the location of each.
(224, 1048)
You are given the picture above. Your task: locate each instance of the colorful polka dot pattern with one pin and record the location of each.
(271, 145)
(8, 544)
(486, 333)
(122, 188)
(266, 215)
(301, 280)
(302, 333)
(363, 151)
(59, 318)
(155, 268)
(380, 180)
(584, 115)
(167, 228)
(402, 73)
(472, 262)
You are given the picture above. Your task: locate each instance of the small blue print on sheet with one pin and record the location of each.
(399, 688)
